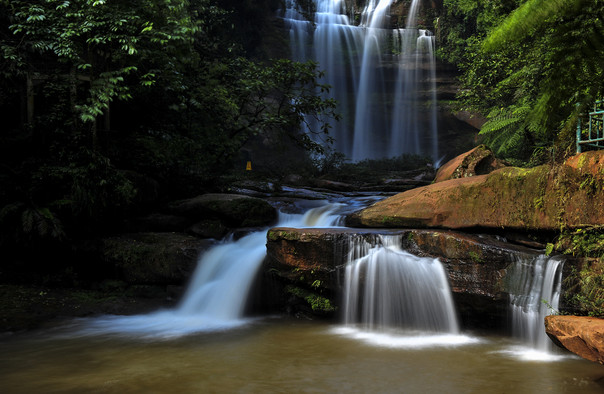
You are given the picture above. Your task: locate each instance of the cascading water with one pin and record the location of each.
(383, 79)
(535, 292)
(395, 299)
(386, 287)
(218, 291)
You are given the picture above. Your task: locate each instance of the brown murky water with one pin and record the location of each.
(283, 356)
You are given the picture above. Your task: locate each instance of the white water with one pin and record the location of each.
(383, 79)
(536, 285)
(218, 291)
(393, 298)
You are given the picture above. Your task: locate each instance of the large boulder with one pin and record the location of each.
(541, 198)
(234, 209)
(478, 161)
(581, 335)
(152, 258)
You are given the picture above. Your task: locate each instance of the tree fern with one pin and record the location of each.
(41, 223)
(505, 131)
(527, 18)
(562, 65)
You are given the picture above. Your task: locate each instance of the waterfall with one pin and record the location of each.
(386, 287)
(383, 79)
(535, 290)
(218, 290)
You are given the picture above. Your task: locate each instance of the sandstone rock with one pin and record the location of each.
(234, 209)
(541, 198)
(477, 265)
(478, 161)
(153, 258)
(581, 335)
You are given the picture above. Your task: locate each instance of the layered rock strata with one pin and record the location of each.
(313, 259)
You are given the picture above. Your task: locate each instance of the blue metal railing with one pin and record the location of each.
(591, 134)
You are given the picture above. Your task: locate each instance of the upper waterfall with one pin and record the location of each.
(383, 78)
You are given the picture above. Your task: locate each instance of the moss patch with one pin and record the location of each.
(316, 302)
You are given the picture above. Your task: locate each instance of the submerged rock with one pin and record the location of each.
(581, 335)
(543, 198)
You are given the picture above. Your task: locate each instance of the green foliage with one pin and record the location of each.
(582, 242)
(541, 59)
(505, 131)
(587, 291)
(101, 97)
(317, 303)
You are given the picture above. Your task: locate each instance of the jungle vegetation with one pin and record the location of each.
(529, 66)
(110, 106)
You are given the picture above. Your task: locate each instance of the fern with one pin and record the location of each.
(41, 223)
(505, 131)
(529, 17)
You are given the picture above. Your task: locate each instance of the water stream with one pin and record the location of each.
(384, 79)
(535, 292)
(381, 345)
(218, 291)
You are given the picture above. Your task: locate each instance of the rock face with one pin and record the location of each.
(478, 161)
(581, 335)
(313, 259)
(541, 198)
(235, 210)
(152, 258)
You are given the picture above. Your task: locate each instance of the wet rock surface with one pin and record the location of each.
(235, 210)
(476, 264)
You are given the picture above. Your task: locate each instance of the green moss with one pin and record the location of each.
(275, 235)
(582, 160)
(538, 203)
(317, 303)
(475, 257)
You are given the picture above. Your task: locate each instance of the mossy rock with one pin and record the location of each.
(153, 258)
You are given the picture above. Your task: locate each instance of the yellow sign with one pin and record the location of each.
(248, 167)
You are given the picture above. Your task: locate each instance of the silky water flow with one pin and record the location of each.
(383, 79)
(218, 291)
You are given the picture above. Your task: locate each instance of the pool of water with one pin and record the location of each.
(282, 355)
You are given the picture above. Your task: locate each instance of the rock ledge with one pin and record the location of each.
(581, 335)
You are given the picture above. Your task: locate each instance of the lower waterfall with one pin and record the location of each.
(218, 291)
(389, 287)
(395, 299)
